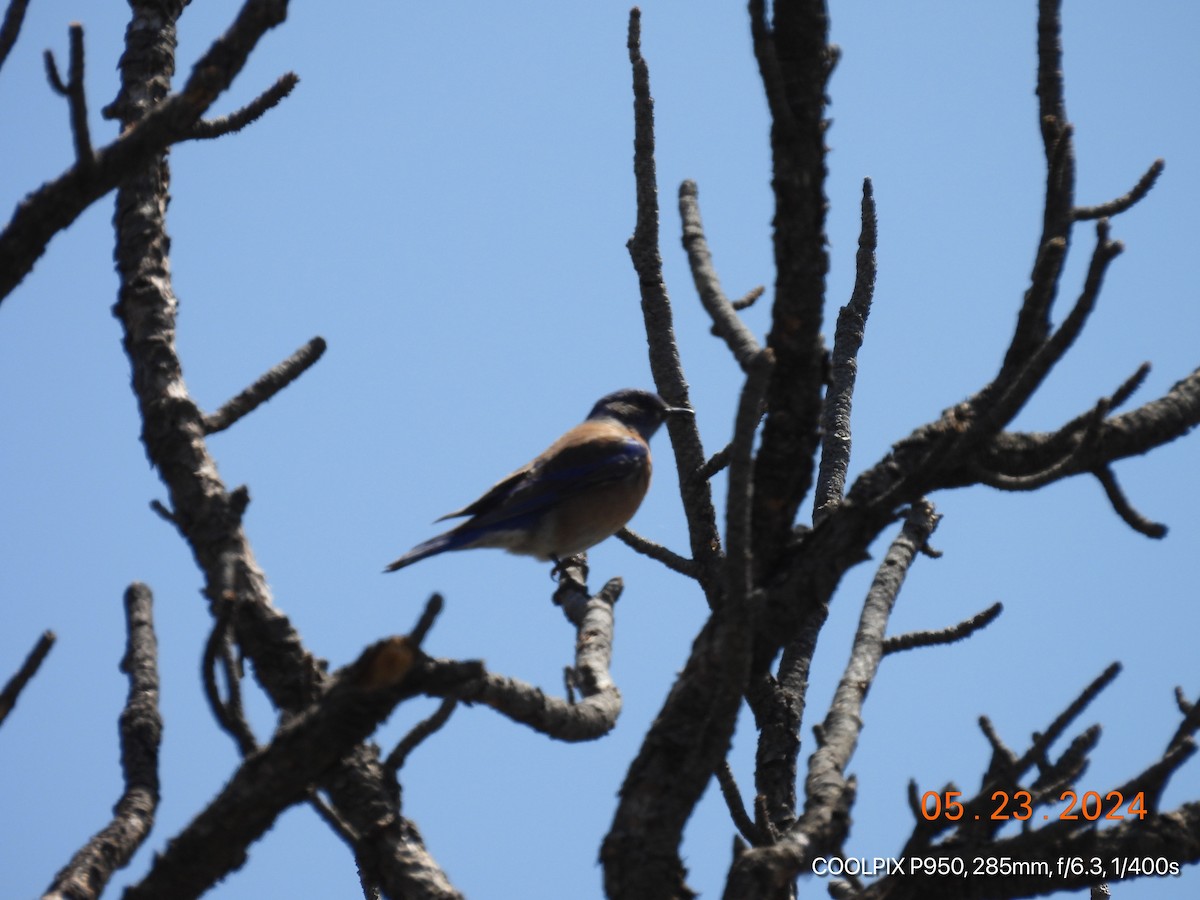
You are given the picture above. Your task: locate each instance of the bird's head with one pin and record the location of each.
(641, 411)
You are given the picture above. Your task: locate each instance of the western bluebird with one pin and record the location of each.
(582, 489)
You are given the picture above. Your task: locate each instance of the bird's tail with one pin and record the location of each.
(450, 540)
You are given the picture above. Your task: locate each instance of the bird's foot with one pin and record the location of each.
(563, 566)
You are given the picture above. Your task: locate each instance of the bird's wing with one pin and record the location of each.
(583, 458)
(495, 495)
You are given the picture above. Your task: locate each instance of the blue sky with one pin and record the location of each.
(446, 199)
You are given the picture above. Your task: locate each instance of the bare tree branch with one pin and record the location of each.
(737, 809)
(364, 794)
(795, 60)
(727, 325)
(668, 558)
(660, 329)
(266, 387)
(1043, 359)
(751, 297)
(640, 853)
(218, 650)
(1124, 202)
(588, 719)
(110, 849)
(829, 793)
(848, 338)
(206, 129)
(718, 462)
(279, 775)
(76, 98)
(1123, 508)
(16, 684)
(14, 15)
(147, 132)
(420, 732)
(949, 635)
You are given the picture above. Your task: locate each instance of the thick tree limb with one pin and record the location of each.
(281, 773)
(690, 737)
(362, 792)
(795, 61)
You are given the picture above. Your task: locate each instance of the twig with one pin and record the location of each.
(718, 462)
(111, 848)
(643, 245)
(1123, 508)
(1052, 116)
(1185, 705)
(668, 558)
(1067, 433)
(727, 325)
(206, 129)
(1066, 465)
(330, 817)
(73, 91)
(737, 809)
(848, 338)
(950, 635)
(748, 299)
(433, 609)
(16, 684)
(1033, 320)
(1153, 779)
(740, 502)
(1043, 741)
(1124, 202)
(1128, 387)
(1054, 777)
(13, 17)
(420, 732)
(229, 714)
(1044, 358)
(1191, 720)
(266, 387)
(163, 513)
(1002, 757)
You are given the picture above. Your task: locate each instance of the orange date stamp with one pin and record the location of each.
(1089, 806)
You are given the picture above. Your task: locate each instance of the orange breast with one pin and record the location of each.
(591, 516)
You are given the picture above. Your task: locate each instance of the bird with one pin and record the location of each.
(582, 489)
